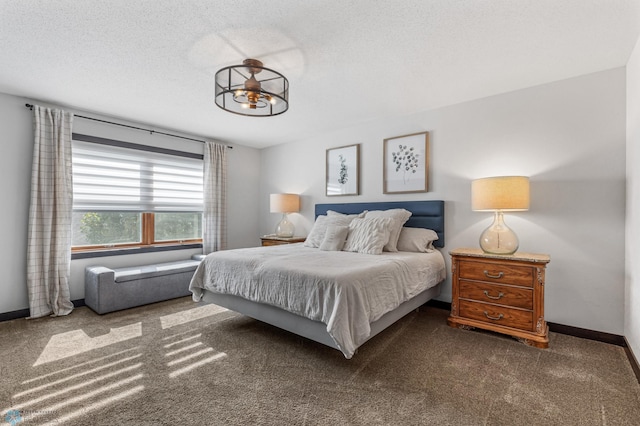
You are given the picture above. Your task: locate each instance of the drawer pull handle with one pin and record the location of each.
(500, 295)
(488, 275)
(499, 317)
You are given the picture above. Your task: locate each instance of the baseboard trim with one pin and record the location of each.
(584, 333)
(446, 306)
(8, 316)
(632, 359)
(24, 313)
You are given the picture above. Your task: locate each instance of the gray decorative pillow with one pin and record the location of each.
(334, 238)
(399, 217)
(314, 239)
(368, 235)
(416, 240)
(316, 235)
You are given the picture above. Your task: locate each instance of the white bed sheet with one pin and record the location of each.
(346, 291)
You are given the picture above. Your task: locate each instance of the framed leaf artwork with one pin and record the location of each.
(406, 163)
(343, 170)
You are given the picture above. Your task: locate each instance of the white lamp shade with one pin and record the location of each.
(506, 193)
(284, 203)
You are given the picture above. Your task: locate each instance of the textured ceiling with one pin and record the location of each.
(347, 62)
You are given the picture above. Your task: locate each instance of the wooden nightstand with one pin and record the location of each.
(272, 240)
(500, 293)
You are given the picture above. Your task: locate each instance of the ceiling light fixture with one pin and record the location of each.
(251, 89)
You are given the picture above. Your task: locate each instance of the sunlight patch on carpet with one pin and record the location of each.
(188, 349)
(77, 375)
(56, 408)
(75, 342)
(186, 339)
(190, 356)
(82, 364)
(184, 349)
(96, 405)
(194, 314)
(66, 393)
(98, 391)
(81, 385)
(200, 363)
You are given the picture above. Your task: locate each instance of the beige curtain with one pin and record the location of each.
(215, 197)
(49, 235)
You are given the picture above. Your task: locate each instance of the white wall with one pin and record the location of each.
(15, 174)
(16, 143)
(632, 290)
(568, 136)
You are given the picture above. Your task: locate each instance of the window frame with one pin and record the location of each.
(147, 242)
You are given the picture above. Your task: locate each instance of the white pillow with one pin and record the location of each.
(334, 238)
(314, 239)
(399, 217)
(316, 235)
(416, 240)
(368, 235)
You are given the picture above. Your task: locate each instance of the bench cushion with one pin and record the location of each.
(151, 271)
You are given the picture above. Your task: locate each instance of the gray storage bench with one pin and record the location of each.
(108, 290)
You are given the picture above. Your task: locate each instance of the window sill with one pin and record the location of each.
(127, 251)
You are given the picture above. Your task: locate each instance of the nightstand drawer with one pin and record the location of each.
(497, 272)
(517, 297)
(500, 315)
(272, 240)
(273, 243)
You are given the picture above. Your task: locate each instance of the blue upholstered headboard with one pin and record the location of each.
(424, 214)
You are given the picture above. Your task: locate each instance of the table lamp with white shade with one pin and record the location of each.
(285, 204)
(500, 194)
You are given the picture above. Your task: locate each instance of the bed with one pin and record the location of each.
(340, 299)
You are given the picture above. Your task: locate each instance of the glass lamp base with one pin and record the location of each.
(285, 229)
(499, 238)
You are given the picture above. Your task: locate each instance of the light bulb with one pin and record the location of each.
(253, 97)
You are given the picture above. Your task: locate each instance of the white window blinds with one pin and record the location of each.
(114, 178)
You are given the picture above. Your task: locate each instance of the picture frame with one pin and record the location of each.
(406, 164)
(343, 171)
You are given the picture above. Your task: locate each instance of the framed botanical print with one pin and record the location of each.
(406, 163)
(343, 170)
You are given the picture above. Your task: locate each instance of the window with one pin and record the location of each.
(129, 195)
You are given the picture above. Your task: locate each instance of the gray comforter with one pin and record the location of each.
(346, 291)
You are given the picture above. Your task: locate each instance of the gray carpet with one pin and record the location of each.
(179, 363)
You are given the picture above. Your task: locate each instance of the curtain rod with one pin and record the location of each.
(30, 106)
